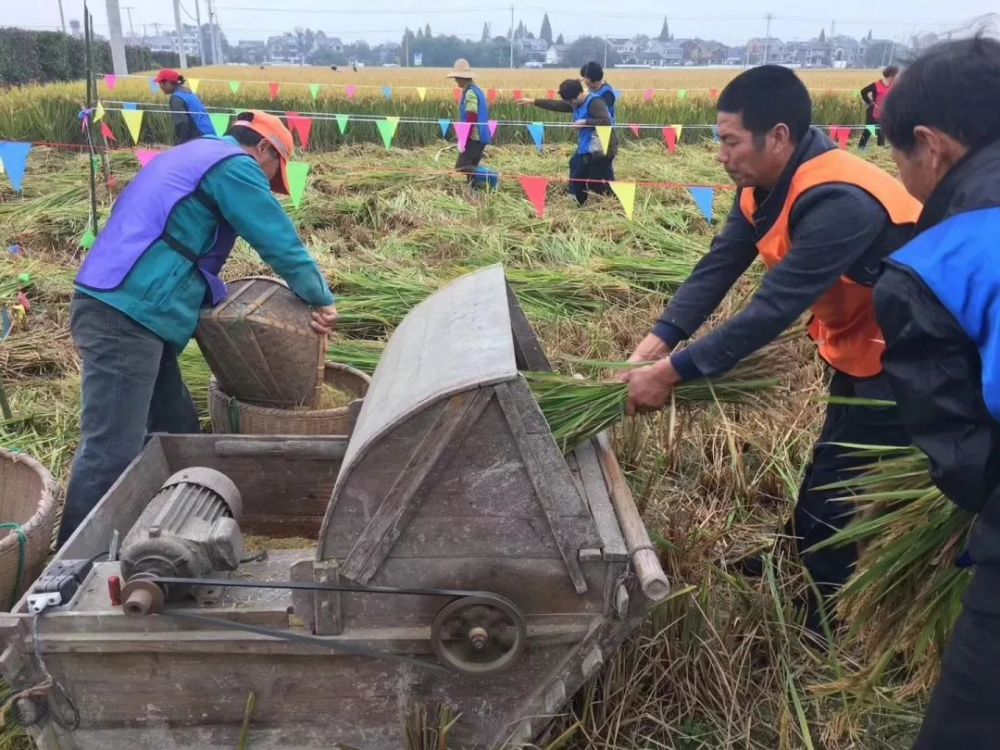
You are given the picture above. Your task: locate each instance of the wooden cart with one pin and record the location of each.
(517, 565)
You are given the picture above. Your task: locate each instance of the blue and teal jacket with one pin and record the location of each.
(191, 119)
(165, 291)
(610, 97)
(588, 135)
(483, 111)
(938, 303)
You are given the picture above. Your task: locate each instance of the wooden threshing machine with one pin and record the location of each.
(460, 560)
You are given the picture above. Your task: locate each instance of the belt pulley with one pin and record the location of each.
(477, 632)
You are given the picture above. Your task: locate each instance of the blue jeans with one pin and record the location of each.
(590, 173)
(131, 385)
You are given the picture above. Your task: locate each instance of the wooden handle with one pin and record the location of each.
(322, 450)
(646, 562)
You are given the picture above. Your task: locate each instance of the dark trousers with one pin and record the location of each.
(817, 515)
(589, 173)
(131, 385)
(964, 711)
(870, 120)
(469, 159)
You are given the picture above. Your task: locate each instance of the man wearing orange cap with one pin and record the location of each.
(153, 267)
(190, 117)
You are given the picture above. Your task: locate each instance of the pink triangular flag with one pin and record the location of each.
(551, 94)
(492, 125)
(458, 95)
(713, 94)
(634, 129)
(492, 95)
(535, 188)
(145, 155)
(351, 91)
(844, 137)
(648, 95)
(518, 94)
(670, 137)
(301, 125)
(462, 131)
(274, 89)
(110, 81)
(106, 132)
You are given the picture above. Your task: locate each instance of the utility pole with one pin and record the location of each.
(128, 9)
(201, 37)
(62, 17)
(512, 37)
(213, 20)
(767, 37)
(605, 53)
(117, 41)
(179, 28)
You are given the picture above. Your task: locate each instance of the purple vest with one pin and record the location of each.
(141, 214)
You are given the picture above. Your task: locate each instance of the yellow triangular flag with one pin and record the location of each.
(98, 111)
(626, 194)
(133, 119)
(678, 129)
(193, 84)
(604, 134)
(422, 92)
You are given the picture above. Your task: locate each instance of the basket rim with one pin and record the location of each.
(216, 392)
(46, 502)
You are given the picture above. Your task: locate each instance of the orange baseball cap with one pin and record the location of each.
(272, 129)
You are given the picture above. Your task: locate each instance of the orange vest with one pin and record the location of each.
(843, 325)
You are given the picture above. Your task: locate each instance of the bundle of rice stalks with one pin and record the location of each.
(651, 275)
(39, 350)
(372, 303)
(361, 355)
(903, 599)
(559, 295)
(196, 374)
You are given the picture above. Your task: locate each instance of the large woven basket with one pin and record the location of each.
(232, 416)
(28, 502)
(260, 347)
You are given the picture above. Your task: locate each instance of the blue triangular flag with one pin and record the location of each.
(154, 87)
(387, 92)
(715, 133)
(14, 156)
(537, 131)
(445, 124)
(130, 105)
(704, 197)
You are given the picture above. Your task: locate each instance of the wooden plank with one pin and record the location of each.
(528, 351)
(596, 492)
(456, 417)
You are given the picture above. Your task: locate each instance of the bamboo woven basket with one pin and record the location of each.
(28, 503)
(260, 347)
(232, 416)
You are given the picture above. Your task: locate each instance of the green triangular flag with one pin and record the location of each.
(220, 121)
(314, 90)
(88, 240)
(234, 86)
(96, 161)
(873, 129)
(342, 123)
(682, 94)
(297, 173)
(387, 129)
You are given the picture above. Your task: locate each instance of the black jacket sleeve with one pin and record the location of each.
(554, 105)
(936, 377)
(868, 94)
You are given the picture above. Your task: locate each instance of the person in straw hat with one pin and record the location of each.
(473, 108)
(154, 266)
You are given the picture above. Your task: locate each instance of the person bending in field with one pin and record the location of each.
(821, 220)
(591, 169)
(938, 302)
(473, 108)
(874, 95)
(189, 115)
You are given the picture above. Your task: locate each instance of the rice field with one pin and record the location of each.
(721, 664)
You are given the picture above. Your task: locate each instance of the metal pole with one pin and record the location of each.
(117, 41)
(605, 53)
(88, 35)
(201, 37)
(131, 29)
(767, 37)
(213, 20)
(512, 36)
(179, 28)
(62, 17)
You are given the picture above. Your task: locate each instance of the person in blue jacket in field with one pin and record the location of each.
(188, 113)
(473, 108)
(154, 266)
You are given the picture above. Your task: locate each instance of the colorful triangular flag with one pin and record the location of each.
(634, 129)
(492, 95)
(648, 95)
(715, 133)
(130, 105)
(342, 122)
(274, 88)
(462, 131)
(444, 125)
(387, 129)
(220, 122)
(458, 96)
(301, 125)
(145, 155)
(678, 129)
(704, 197)
(551, 94)
(713, 94)
(492, 125)
(88, 240)
(626, 194)
(154, 87)
(604, 135)
(350, 91)
(234, 86)
(537, 131)
(107, 133)
(110, 81)
(387, 93)
(133, 120)
(536, 189)
(518, 94)
(193, 84)
(314, 90)
(670, 138)
(872, 129)
(14, 155)
(298, 171)
(682, 94)
(422, 92)
(98, 111)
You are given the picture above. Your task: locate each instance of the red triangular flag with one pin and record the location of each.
(274, 88)
(551, 94)
(145, 155)
(714, 94)
(518, 94)
(301, 125)
(635, 130)
(106, 132)
(492, 95)
(670, 137)
(535, 188)
(458, 95)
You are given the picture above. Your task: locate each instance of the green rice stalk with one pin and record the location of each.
(361, 355)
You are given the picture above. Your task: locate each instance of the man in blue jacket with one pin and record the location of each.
(189, 115)
(153, 267)
(938, 303)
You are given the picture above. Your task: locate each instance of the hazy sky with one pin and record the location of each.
(729, 21)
